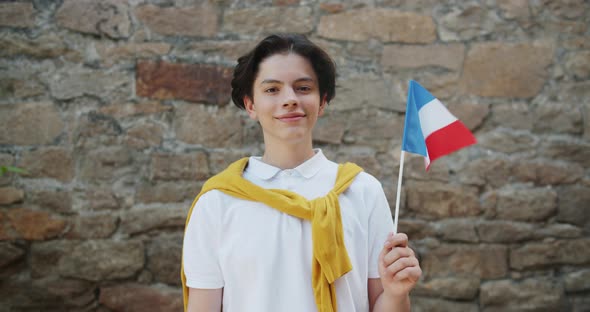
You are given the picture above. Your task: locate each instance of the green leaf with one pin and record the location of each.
(5, 169)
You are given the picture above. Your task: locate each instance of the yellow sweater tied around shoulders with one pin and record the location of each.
(330, 259)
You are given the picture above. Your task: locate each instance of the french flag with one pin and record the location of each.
(430, 129)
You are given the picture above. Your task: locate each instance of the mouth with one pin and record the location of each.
(291, 117)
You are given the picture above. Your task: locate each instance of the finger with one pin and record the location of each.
(395, 254)
(397, 240)
(409, 273)
(401, 264)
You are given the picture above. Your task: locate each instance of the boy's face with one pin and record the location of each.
(286, 99)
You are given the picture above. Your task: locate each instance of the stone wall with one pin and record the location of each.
(119, 110)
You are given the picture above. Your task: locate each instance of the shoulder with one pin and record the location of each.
(366, 182)
(211, 200)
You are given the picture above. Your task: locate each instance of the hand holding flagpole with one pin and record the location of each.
(430, 130)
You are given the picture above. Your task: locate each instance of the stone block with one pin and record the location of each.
(566, 149)
(124, 110)
(111, 54)
(576, 43)
(208, 126)
(179, 21)
(573, 205)
(579, 303)
(559, 230)
(414, 168)
(373, 128)
(416, 229)
(64, 292)
(515, 115)
(263, 19)
(99, 260)
(165, 192)
(436, 201)
(173, 167)
(508, 141)
(43, 47)
(524, 204)
(106, 163)
(570, 9)
(332, 7)
(448, 56)
(490, 171)
(192, 82)
(30, 123)
(483, 261)
(496, 69)
(577, 64)
(382, 24)
(50, 162)
(230, 51)
(109, 17)
(56, 200)
(139, 298)
(94, 131)
(505, 231)
(144, 220)
(330, 129)
(7, 232)
(577, 281)
(98, 198)
(164, 255)
(456, 287)
(92, 226)
(457, 230)
(10, 253)
(17, 14)
(514, 9)
(20, 88)
(545, 172)
(361, 92)
(551, 117)
(551, 253)
(144, 135)
(531, 294)
(35, 225)
(69, 83)
(467, 22)
(44, 256)
(427, 304)
(471, 114)
(10, 195)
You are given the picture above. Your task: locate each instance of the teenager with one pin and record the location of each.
(291, 230)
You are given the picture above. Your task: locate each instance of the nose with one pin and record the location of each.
(290, 98)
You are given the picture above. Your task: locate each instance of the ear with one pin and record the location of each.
(249, 106)
(323, 104)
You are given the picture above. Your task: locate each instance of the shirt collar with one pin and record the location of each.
(307, 169)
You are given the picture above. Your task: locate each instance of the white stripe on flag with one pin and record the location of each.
(433, 116)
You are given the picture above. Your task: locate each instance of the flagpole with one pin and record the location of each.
(399, 188)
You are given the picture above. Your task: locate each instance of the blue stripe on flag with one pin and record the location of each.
(413, 139)
(421, 95)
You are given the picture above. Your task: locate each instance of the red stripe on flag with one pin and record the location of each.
(448, 139)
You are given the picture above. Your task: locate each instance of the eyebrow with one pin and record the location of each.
(265, 81)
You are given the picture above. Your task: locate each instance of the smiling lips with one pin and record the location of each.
(291, 117)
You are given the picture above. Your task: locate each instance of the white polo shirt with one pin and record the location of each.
(261, 257)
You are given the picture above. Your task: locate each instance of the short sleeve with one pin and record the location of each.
(200, 250)
(380, 225)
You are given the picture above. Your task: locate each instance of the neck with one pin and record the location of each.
(287, 156)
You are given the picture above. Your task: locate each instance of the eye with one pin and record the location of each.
(304, 88)
(271, 90)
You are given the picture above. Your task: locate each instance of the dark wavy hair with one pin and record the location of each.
(246, 70)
